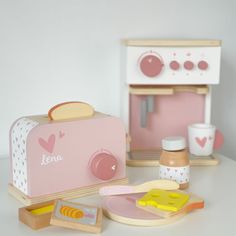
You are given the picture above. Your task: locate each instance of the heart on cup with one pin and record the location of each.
(201, 141)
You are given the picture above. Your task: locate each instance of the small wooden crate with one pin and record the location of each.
(36, 221)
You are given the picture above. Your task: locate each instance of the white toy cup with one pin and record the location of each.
(203, 139)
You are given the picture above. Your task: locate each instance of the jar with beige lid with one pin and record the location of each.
(174, 161)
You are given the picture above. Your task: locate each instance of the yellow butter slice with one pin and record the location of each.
(42, 210)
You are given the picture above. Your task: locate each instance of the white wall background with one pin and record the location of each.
(59, 50)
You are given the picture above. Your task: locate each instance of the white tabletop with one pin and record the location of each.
(215, 184)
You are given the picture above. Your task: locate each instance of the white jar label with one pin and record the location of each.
(179, 174)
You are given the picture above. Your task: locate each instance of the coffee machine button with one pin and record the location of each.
(151, 65)
(188, 65)
(174, 65)
(202, 65)
(103, 166)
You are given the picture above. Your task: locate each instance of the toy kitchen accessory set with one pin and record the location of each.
(167, 89)
(152, 203)
(75, 151)
(69, 153)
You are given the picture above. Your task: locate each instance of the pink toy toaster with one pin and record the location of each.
(49, 157)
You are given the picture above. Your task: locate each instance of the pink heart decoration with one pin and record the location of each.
(201, 142)
(49, 144)
(61, 134)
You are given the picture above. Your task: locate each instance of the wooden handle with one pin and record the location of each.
(164, 184)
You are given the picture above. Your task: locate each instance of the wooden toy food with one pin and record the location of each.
(193, 203)
(36, 216)
(53, 159)
(77, 216)
(42, 210)
(71, 212)
(145, 187)
(70, 110)
(174, 161)
(122, 208)
(164, 200)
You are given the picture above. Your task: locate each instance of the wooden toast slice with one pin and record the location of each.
(70, 110)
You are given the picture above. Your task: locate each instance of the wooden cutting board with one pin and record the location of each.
(122, 208)
(193, 203)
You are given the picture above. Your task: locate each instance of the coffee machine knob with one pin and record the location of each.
(202, 65)
(103, 166)
(188, 65)
(151, 65)
(174, 65)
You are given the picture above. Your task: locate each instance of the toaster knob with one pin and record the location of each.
(151, 65)
(104, 166)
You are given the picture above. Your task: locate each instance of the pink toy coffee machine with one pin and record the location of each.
(168, 87)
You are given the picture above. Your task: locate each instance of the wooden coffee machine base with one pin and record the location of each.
(149, 158)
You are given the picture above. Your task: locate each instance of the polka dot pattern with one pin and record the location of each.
(19, 135)
(179, 174)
